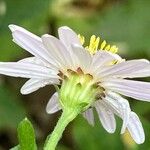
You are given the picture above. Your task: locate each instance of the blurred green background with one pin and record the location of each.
(125, 23)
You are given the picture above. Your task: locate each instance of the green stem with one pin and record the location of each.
(66, 117)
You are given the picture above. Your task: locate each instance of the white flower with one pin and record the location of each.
(52, 58)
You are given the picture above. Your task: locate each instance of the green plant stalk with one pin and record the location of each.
(66, 117)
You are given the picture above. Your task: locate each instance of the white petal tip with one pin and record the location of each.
(12, 27)
(53, 104)
(46, 35)
(24, 92)
(110, 131)
(64, 28)
(140, 142)
(135, 128)
(50, 111)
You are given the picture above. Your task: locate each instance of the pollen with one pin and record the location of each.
(96, 44)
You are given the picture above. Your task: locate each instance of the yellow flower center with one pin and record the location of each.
(96, 44)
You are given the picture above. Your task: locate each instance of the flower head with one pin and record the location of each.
(89, 77)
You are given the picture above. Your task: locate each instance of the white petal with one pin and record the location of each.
(135, 128)
(125, 69)
(83, 57)
(101, 59)
(31, 43)
(88, 114)
(135, 89)
(33, 60)
(120, 106)
(53, 104)
(14, 28)
(57, 50)
(117, 57)
(106, 116)
(26, 70)
(37, 61)
(145, 72)
(68, 36)
(34, 84)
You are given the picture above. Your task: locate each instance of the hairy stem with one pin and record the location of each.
(66, 117)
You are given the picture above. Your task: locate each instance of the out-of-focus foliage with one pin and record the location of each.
(95, 138)
(123, 22)
(30, 14)
(11, 110)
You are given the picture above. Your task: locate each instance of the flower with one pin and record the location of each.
(90, 77)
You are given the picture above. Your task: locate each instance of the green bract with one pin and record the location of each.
(78, 91)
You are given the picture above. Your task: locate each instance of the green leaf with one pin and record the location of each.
(26, 135)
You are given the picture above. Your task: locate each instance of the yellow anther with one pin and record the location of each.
(107, 48)
(92, 41)
(81, 38)
(103, 45)
(96, 45)
(97, 42)
(114, 49)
